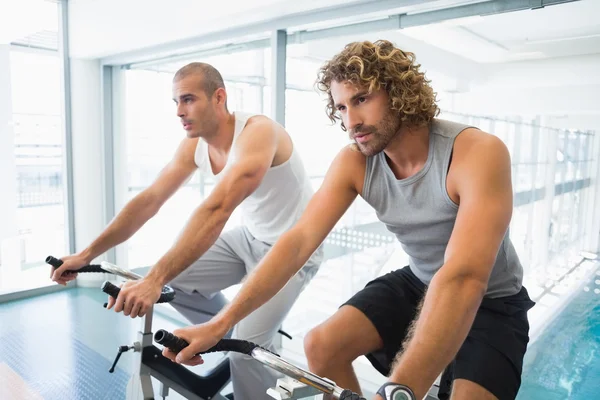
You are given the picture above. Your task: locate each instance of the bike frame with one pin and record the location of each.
(150, 363)
(148, 359)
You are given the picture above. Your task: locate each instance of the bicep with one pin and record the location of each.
(484, 213)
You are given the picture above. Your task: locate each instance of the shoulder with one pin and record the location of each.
(260, 121)
(263, 126)
(350, 156)
(480, 160)
(186, 150)
(476, 146)
(259, 138)
(350, 164)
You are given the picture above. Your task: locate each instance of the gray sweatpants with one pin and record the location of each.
(226, 263)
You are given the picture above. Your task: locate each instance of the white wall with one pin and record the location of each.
(549, 72)
(8, 170)
(575, 100)
(566, 87)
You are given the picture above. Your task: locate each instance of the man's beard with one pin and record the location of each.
(381, 135)
(208, 128)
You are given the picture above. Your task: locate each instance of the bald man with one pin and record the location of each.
(257, 168)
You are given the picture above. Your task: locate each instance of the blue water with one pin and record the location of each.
(564, 363)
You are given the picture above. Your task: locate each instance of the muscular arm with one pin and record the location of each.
(147, 203)
(255, 148)
(295, 247)
(483, 184)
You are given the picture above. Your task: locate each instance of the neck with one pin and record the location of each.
(222, 139)
(409, 149)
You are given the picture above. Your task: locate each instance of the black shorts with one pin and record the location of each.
(492, 354)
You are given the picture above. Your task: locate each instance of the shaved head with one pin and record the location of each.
(211, 78)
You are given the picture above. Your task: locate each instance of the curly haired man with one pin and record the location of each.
(444, 189)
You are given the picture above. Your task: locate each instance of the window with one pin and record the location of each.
(32, 177)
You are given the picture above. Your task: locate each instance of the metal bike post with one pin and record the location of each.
(140, 384)
(146, 340)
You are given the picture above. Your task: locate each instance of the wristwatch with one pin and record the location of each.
(395, 391)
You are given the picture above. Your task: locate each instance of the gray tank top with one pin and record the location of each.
(419, 211)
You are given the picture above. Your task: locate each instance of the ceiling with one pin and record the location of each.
(556, 31)
(100, 28)
(555, 46)
(563, 30)
(18, 25)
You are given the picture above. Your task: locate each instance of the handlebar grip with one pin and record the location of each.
(176, 344)
(167, 295)
(110, 289)
(172, 342)
(350, 395)
(55, 262)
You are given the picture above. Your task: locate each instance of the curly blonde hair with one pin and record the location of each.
(382, 65)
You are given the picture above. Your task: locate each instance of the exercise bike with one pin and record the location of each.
(297, 383)
(149, 361)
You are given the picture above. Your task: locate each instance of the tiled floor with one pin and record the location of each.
(60, 347)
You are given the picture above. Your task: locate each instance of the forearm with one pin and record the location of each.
(284, 260)
(200, 233)
(127, 222)
(445, 319)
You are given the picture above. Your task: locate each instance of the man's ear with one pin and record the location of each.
(221, 96)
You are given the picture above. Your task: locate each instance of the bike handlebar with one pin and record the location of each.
(176, 344)
(55, 262)
(167, 295)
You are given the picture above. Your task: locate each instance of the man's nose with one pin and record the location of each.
(353, 120)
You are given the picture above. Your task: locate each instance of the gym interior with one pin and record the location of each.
(87, 121)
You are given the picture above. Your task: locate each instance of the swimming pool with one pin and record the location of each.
(564, 363)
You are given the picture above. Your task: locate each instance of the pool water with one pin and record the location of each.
(564, 363)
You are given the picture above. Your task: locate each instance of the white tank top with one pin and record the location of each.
(280, 199)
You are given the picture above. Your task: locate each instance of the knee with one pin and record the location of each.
(320, 349)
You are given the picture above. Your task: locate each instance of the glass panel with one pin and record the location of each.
(33, 223)
(526, 139)
(523, 179)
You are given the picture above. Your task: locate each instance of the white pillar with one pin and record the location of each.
(86, 125)
(8, 168)
(119, 180)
